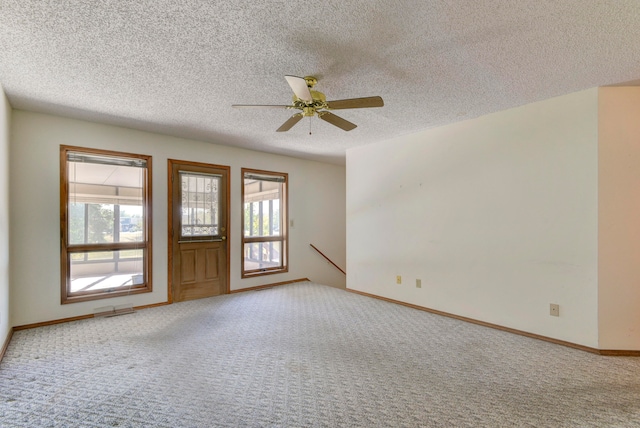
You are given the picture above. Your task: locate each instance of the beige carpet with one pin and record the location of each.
(305, 355)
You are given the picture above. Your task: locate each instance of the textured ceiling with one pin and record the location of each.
(176, 66)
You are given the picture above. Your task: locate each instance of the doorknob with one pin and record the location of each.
(224, 238)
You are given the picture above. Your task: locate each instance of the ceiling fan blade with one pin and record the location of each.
(356, 103)
(259, 106)
(290, 122)
(299, 87)
(337, 121)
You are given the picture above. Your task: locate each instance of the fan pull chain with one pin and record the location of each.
(309, 125)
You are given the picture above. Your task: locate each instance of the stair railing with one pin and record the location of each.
(327, 258)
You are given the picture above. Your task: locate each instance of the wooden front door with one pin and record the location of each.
(198, 216)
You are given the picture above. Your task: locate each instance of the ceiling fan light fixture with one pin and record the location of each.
(311, 103)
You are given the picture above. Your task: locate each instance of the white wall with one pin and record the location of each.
(316, 204)
(496, 215)
(5, 119)
(619, 217)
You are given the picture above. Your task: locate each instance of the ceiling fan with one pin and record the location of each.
(311, 102)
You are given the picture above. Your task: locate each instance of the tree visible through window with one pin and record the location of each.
(106, 225)
(264, 237)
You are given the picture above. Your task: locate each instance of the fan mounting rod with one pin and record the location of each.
(311, 81)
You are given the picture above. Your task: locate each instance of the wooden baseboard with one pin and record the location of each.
(153, 305)
(261, 287)
(81, 317)
(6, 344)
(608, 352)
(618, 353)
(52, 322)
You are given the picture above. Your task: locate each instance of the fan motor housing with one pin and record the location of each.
(318, 96)
(309, 109)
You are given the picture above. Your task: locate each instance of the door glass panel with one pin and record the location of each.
(200, 204)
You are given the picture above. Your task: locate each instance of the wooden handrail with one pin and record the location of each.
(328, 259)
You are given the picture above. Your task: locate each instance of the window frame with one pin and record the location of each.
(67, 249)
(283, 238)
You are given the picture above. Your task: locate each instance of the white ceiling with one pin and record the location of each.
(176, 66)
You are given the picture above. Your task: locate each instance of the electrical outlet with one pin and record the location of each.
(554, 310)
(398, 279)
(418, 283)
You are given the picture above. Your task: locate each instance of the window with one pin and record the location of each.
(105, 200)
(264, 219)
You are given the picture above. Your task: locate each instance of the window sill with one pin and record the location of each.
(105, 295)
(263, 272)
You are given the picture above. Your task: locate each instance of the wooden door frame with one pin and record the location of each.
(170, 164)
